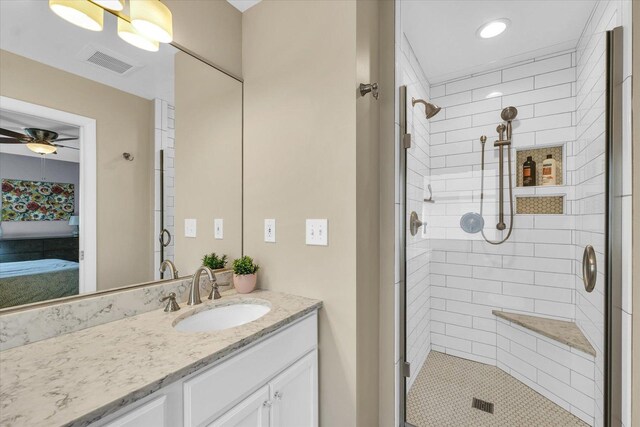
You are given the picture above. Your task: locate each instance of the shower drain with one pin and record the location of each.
(482, 405)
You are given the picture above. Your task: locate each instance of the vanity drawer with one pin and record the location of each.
(211, 393)
(151, 414)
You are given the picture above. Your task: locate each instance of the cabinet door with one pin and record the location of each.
(295, 394)
(251, 412)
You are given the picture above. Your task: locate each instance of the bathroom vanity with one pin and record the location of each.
(142, 371)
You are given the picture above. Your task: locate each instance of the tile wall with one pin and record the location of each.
(418, 247)
(532, 272)
(164, 140)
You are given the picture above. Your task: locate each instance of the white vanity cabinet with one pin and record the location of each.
(271, 383)
(290, 400)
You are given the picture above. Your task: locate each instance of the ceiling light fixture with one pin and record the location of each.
(41, 147)
(152, 19)
(493, 95)
(117, 5)
(79, 12)
(129, 34)
(493, 28)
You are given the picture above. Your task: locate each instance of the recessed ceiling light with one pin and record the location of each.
(493, 95)
(493, 28)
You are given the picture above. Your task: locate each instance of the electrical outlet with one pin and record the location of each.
(317, 233)
(270, 230)
(218, 228)
(190, 226)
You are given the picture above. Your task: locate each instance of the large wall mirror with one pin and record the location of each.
(112, 158)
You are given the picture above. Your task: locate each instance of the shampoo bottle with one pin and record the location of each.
(549, 171)
(529, 172)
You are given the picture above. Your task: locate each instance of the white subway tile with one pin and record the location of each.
(537, 67)
(538, 95)
(471, 334)
(564, 105)
(473, 82)
(554, 78)
(503, 301)
(508, 88)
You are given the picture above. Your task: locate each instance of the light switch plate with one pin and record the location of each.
(270, 230)
(218, 228)
(190, 226)
(317, 233)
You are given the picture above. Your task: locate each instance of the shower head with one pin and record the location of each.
(430, 109)
(509, 114)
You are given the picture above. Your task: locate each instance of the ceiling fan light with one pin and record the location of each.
(41, 148)
(117, 5)
(152, 19)
(128, 33)
(82, 13)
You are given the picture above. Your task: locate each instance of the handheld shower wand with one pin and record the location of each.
(508, 114)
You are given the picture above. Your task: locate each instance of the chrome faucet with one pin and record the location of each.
(171, 266)
(194, 292)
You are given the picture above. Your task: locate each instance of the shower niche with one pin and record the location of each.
(541, 199)
(539, 155)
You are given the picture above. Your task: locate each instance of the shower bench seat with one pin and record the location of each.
(553, 357)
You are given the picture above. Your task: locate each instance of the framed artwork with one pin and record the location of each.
(37, 201)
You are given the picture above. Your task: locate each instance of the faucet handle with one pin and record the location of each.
(172, 305)
(215, 294)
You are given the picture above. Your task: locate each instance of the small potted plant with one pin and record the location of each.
(215, 262)
(244, 274)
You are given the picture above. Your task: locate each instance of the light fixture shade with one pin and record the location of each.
(152, 19)
(111, 4)
(40, 148)
(132, 36)
(82, 13)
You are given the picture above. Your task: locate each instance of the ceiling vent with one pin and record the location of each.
(108, 60)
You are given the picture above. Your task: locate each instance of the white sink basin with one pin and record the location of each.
(223, 317)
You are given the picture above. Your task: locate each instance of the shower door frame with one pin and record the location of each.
(613, 240)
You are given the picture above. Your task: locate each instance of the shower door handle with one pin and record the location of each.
(589, 268)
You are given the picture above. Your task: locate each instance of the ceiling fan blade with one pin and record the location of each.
(12, 134)
(10, 141)
(65, 139)
(64, 146)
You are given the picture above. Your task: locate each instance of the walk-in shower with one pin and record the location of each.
(497, 325)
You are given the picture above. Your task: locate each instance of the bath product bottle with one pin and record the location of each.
(549, 171)
(529, 172)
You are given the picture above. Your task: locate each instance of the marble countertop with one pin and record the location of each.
(77, 378)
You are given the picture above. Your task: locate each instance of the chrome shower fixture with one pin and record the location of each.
(429, 108)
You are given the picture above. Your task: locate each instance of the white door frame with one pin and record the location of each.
(88, 182)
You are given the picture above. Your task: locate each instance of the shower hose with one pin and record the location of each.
(510, 198)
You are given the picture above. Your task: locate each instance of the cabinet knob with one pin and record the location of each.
(277, 395)
(267, 403)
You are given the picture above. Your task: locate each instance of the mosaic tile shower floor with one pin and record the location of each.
(446, 385)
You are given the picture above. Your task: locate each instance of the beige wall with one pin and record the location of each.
(125, 189)
(368, 216)
(635, 359)
(299, 66)
(208, 161)
(211, 29)
(386, 405)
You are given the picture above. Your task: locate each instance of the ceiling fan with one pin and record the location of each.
(39, 141)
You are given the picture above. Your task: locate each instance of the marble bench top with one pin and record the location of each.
(80, 377)
(560, 330)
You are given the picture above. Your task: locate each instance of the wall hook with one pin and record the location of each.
(128, 156)
(369, 87)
